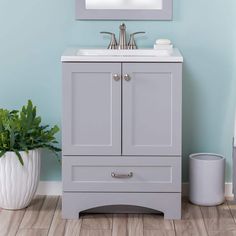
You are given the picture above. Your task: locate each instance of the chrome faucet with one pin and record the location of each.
(113, 43)
(132, 44)
(122, 39)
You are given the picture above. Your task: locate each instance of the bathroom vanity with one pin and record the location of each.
(121, 131)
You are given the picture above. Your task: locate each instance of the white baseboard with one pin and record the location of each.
(229, 190)
(49, 188)
(55, 188)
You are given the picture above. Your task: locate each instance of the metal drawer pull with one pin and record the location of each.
(127, 77)
(122, 176)
(116, 77)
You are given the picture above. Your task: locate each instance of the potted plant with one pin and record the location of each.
(21, 139)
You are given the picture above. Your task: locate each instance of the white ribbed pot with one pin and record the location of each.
(18, 183)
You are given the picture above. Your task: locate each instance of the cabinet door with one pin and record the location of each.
(152, 108)
(91, 109)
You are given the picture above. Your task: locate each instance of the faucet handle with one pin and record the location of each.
(132, 43)
(113, 42)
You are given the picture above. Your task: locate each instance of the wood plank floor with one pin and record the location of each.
(43, 217)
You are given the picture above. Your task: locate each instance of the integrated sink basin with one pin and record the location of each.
(115, 55)
(123, 53)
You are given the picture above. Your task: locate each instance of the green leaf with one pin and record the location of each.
(12, 138)
(22, 131)
(2, 153)
(19, 158)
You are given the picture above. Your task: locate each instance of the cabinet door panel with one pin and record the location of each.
(91, 109)
(152, 109)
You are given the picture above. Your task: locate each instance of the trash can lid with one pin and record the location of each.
(206, 157)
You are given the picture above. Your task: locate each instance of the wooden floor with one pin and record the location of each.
(43, 217)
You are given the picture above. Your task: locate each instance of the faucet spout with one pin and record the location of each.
(122, 38)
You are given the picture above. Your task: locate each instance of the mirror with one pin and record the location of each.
(124, 9)
(124, 4)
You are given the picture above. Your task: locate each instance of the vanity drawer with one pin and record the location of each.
(121, 174)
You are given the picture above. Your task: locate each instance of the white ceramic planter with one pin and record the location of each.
(18, 183)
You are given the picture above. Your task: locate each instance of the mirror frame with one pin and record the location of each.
(92, 14)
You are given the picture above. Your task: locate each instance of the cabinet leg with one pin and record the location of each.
(172, 214)
(69, 210)
(172, 210)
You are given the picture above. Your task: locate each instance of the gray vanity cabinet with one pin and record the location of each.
(122, 136)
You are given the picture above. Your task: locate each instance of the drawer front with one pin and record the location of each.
(121, 174)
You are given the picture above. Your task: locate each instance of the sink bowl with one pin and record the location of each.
(124, 53)
(110, 55)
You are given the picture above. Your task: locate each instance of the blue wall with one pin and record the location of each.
(33, 35)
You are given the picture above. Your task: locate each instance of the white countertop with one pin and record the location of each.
(71, 55)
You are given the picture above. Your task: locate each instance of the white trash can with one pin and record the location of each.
(206, 179)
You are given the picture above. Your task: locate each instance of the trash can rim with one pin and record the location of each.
(195, 155)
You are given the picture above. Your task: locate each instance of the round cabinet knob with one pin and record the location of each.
(116, 77)
(127, 77)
